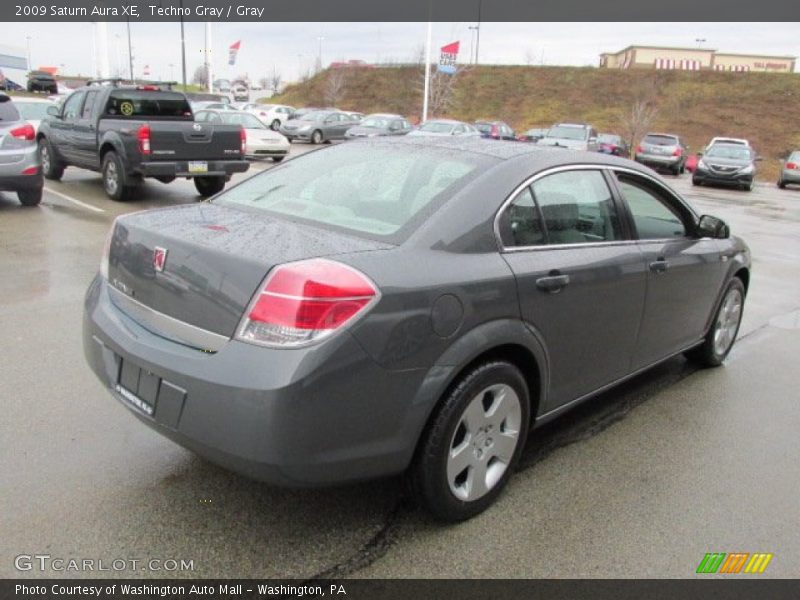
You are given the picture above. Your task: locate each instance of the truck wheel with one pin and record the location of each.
(114, 177)
(275, 125)
(30, 197)
(50, 167)
(316, 137)
(208, 186)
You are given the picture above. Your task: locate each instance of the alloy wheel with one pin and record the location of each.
(730, 313)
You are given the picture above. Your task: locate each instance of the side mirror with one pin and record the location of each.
(698, 154)
(53, 111)
(758, 158)
(592, 140)
(713, 227)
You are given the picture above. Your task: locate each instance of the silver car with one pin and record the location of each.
(662, 151)
(575, 136)
(790, 172)
(20, 168)
(445, 127)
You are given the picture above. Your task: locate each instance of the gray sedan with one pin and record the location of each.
(405, 306)
(444, 128)
(20, 166)
(318, 126)
(790, 170)
(379, 124)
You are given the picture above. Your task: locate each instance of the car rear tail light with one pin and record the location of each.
(30, 171)
(791, 165)
(143, 138)
(677, 152)
(639, 149)
(148, 88)
(24, 132)
(306, 301)
(494, 131)
(243, 139)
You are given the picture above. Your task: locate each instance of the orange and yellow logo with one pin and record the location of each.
(735, 562)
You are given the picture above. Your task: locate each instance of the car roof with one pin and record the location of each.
(386, 115)
(672, 135)
(575, 125)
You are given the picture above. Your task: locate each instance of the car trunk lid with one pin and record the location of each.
(202, 264)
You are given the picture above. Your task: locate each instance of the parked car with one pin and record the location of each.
(405, 305)
(727, 164)
(3, 81)
(42, 81)
(261, 142)
(302, 112)
(532, 135)
(379, 124)
(662, 151)
(317, 127)
(790, 170)
(495, 130)
(33, 110)
(240, 93)
(205, 105)
(445, 127)
(222, 85)
(195, 97)
(128, 133)
(20, 167)
(575, 136)
(354, 115)
(610, 143)
(270, 114)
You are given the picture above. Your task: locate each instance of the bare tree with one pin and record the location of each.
(275, 82)
(200, 76)
(643, 111)
(335, 86)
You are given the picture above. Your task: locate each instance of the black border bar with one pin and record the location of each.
(405, 10)
(732, 588)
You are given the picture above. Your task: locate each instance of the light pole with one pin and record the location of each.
(320, 39)
(478, 28)
(700, 41)
(472, 30)
(130, 51)
(28, 40)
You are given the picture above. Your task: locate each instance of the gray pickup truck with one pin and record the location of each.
(131, 132)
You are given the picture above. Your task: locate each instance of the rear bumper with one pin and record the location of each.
(13, 163)
(323, 415)
(216, 168)
(656, 160)
(22, 182)
(790, 176)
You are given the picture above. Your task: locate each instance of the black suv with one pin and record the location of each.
(42, 81)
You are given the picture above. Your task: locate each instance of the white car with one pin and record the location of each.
(261, 141)
(33, 110)
(727, 140)
(269, 114)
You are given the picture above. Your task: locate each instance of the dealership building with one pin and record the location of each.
(693, 59)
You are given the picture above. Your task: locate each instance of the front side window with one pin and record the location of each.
(72, 106)
(577, 208)
(653, 215)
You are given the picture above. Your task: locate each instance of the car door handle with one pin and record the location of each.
(659, 266)
(552, 283)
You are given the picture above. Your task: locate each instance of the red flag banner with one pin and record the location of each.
(448, 57)
(233, 51)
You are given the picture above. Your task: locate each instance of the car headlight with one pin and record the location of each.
(701, 164)
(746, 170)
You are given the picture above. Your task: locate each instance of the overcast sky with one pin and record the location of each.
(292, 48)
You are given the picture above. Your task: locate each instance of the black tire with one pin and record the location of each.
(316, 137)
(708, 354)
(748, 187)
(428, 475)
(114, 178)
(277, 158)
(683, 168)
(781, 184)
(275, 125)
(30, 197)
(676, 170)
(51, 168)
(208, 186)
(696, 181)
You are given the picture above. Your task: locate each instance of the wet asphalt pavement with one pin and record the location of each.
(639, 482)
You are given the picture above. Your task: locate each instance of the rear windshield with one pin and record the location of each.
(381, 191)
(151, 104)
(794, 156)
(661, 140)
(567, 133)
(8, 112)
(609, 138)
(36, 111)
(377, 122)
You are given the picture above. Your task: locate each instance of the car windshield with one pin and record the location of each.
(246, 120)
(376, 122)
(607, 138)
(339, 188)
(436, 127)
(660, 140)
(35, 111)
(734, 152)
(567, 133)
(315, 116)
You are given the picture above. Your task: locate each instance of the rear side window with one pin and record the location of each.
(653, 215)
(369, 189)
(522, 224)
(8, 112)
(136, 104)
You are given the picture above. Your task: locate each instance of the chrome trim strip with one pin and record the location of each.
(577, 167)
(167, 326)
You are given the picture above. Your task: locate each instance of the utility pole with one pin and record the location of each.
(320, 38)
(472, 30)
(427, 74)
(28, 39)
(183, 50)
(209, 75)
(478, 42)
(130, 51)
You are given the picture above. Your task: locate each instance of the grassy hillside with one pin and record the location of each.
(763, 107)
